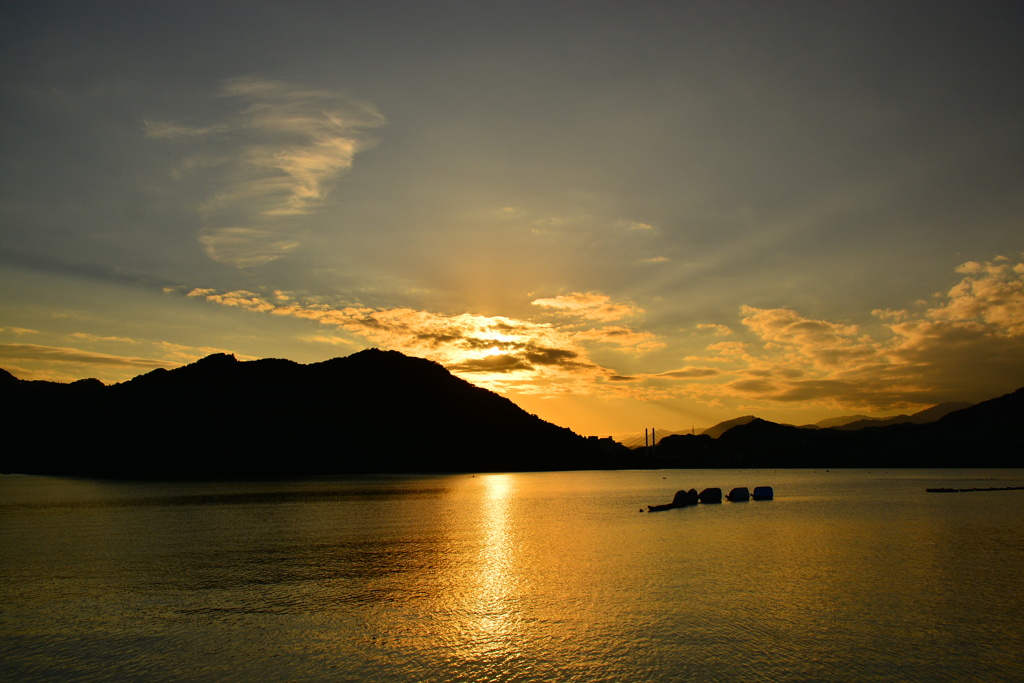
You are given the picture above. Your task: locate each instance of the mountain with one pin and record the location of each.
(984, 435)
(373, 411)
(723, 427)
(381, 411)
(924, 416)
(830, 422)
(937, 412)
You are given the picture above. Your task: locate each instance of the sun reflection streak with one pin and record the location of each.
(492, 604)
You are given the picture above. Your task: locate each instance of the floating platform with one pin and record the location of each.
(990, 488)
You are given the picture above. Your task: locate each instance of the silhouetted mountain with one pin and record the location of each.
(996, 413)
(937, 412)
(723, 427)
(984, 435)
(868, 422)
(922, 417)
(830, 422)
(381, 411)
(373, 411)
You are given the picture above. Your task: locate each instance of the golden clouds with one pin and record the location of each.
(494, 351)
(589, 305)
(774, 355)
(691, 372)
(992, 293)
(823, 343)
(970, 337)
(985, 307)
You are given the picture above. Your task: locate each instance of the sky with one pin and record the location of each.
(619, 215)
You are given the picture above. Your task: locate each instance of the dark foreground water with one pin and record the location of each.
(846, 575)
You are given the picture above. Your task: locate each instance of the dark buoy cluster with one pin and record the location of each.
(713, 495)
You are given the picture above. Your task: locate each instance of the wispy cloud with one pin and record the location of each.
(622, 337)
(102, 360)
(85, 336)
(57, 354)
(277, 160)
(166, 130)
(637, 226)
(691, 373)
(589, 305)
(715, 328)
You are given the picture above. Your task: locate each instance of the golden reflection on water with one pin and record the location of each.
(522, 577)
(491, 599)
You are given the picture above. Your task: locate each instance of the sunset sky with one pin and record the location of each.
(617, 214)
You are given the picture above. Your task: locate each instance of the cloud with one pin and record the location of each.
(491, 364)
(493, 351)
(965, 345)
(623, 337)
(991, 294)
(57, 354)
(243, 247)
(824, 343)
(276, 161)
(164, 130)
(84, 336)
(18, 331)
(589, 306)
(637, 226)
(691, 373)
(716, 329)
(328, 339)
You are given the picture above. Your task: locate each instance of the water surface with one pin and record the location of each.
(846, 575)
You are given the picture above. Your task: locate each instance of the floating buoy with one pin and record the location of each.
(739, 494)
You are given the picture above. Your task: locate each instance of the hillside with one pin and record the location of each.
(931, 414)
(373, 411)
(381, 411)
(722, 427)
(984, 435)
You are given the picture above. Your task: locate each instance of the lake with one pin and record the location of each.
(847, 575)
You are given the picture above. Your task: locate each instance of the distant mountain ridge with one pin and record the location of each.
(373, 411)
(987, 434)
(722, 427)
(847, 422)
(931, 414)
